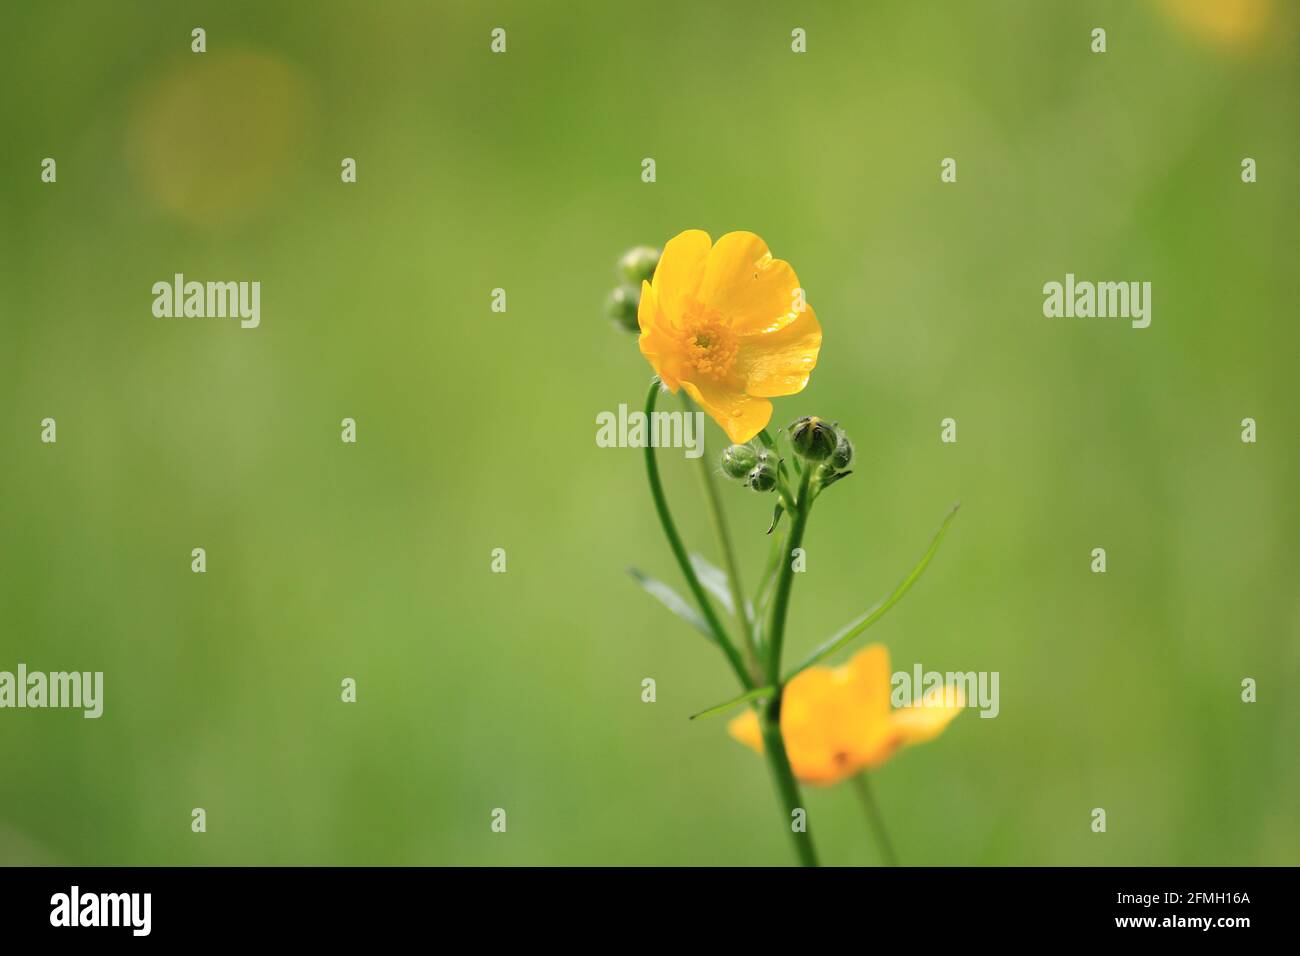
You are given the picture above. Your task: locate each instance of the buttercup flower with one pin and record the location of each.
(1233, 25)
(728, 323)
(836, 721)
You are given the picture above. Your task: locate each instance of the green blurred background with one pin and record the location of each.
(476, 429)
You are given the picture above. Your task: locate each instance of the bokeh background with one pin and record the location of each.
(476, 429)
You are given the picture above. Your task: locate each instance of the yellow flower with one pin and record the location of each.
(728, 323)
(1231, 25)
(836, 721)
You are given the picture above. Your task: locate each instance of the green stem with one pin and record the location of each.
(764, 598)
(863, 786)
(719, 520)
(786, 786)
(781, 603)
(683, 559)
(770, 715)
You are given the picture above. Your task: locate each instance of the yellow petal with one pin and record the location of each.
(647, 310)
(745, 729)
(815, 711)
(927, 718)
(744, 282)
(779, 362)
(810, 759)
(741, 416)
(657, 343)
(870, 678)
(838, 721)
(681, 267)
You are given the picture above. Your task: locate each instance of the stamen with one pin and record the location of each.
(711, 345)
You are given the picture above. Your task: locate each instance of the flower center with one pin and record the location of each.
(710, 343)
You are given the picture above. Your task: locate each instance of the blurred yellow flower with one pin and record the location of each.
(728, 323)
(1233, 25)
(216, 139)
(837, 721)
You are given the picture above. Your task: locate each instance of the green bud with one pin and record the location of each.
(739, 460)
(813, 438)
(638, 265)
(621, 307)
(843, 453)
(762, 477)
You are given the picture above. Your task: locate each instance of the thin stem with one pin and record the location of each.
(786, 786)
(863, 786)
(683, 559)
(770, 715)
(781, 603)
(763, 600)
(719, 520)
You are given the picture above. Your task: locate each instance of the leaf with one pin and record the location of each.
(735, 701)
(776, 516)
(864, 621)
(714, 580)
(834, 478)
(673, 601)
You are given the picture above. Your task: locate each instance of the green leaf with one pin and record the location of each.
(834, 478)
(736, 701)
(776, 516)
(861, 623)
(714, 580)
(673, 601)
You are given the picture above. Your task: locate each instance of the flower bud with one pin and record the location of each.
(813, 438)
(739, 460)
(621, 307)
(843, 453)
(638, 265)
(762, 477)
